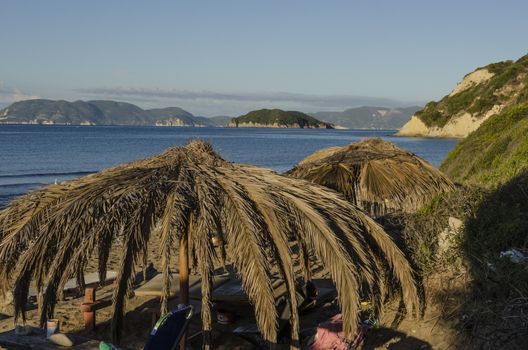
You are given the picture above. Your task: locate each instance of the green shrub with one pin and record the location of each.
(461, 101)
(422, 229)
(497, 68)
(431, 116)
(483, 103)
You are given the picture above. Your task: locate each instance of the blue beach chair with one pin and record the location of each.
(169, 329)
(167, 332)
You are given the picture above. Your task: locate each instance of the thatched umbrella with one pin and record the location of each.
(48, 235)
(375, 175)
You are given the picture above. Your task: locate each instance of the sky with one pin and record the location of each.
(229, 57)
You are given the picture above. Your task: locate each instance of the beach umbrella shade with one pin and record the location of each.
(375, 175)
(48, 235)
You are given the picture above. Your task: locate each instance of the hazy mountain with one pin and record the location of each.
(175, 116)
(368, 117)
(221, 120)
(98, 112)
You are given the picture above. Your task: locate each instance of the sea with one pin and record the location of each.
(35, 155)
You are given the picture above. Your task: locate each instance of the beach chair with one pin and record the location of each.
(167, 332)
(169, 329)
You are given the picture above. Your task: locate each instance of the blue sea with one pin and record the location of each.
(35, 155)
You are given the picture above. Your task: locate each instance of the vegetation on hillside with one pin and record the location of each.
(508, 86)
(482, 291)
(480, 288)
(494, 153)
(280, 118)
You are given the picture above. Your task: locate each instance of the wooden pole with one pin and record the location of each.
(40, 300)
(184, 270)
(184, 277)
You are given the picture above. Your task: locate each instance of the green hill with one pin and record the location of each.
(494, 153)
(484, 92)
(98, 112)
(367, 117)
(277, 118)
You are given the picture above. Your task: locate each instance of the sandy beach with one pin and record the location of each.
(408, 333)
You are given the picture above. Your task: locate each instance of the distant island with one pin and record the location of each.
(98, 112)
(277, 118)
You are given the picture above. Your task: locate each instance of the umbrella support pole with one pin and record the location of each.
(184, 277)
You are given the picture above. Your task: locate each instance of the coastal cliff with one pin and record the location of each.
(277, 118)
(485, 92)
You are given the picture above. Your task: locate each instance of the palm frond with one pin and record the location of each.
(375, 175)
(254, 214)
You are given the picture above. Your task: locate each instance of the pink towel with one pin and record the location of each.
(330, 335)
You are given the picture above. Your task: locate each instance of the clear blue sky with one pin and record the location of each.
(228, 57)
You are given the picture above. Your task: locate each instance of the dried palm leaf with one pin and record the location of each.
(375, 175)
(49, 235)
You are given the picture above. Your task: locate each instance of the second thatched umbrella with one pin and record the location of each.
(48, 235)
(375, 175)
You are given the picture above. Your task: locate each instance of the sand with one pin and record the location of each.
(140, 310)
(477, 77)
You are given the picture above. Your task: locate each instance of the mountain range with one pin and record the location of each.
(104, 112)
(368, 117)
(98, 112)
